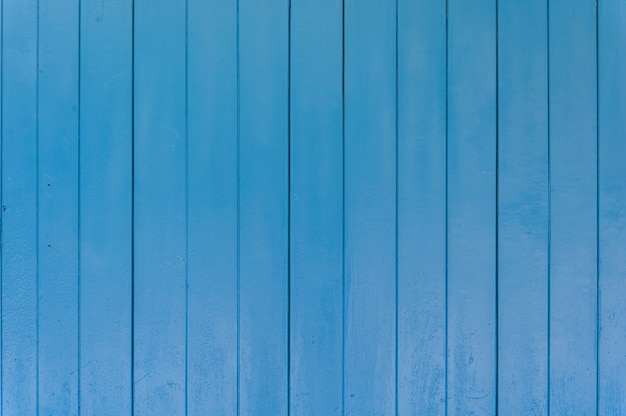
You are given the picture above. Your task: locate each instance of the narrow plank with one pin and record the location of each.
(612, 194)
(522, 207)
(160, 208)
(316, 207)
(471, 207)
(421, 207)
(105, 206)
(212, 314)
(19, 207)
(370, 207)
(573, 157)
(58, 207)
(263, 206)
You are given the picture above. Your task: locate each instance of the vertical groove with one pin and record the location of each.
(497, 224)
(446, 227)
(186, 204)
(597, 209)
(1, 202)
(549, 265)
(396, 214)
(343, 204)
(238, 218)
(37, 215)
(132, 216)
(79, 263)
(289, 208)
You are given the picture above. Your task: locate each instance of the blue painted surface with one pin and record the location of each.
(313, 207)
(471, 208)
(523, 208)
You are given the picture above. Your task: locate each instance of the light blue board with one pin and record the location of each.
(523, 208)
(263, 206)
(573, 192)
(212, 178)
(421, 207)
(471, 212)
(58, 213)
(316, 200)
(370, 208)
(160, 210)
(295, 207)
(612, 203)
(105, 207)
(19, 208)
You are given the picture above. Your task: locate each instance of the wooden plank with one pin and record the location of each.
(19, 207)
(105, 206)
(471, 207)
(370, 207)
(316, 207)
(263, 206)
(573, 157)
(58, 210)
(523, 207)
(160, 254)
(421, 207)
(212, 239)
(612, 202)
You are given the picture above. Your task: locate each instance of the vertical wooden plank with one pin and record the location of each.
(471, 207)
(105, 206)
(160, 254)
(58, 207)
(212, 314)
(316, 207)
(421, 207)
(612, 203)
(370, 207)
(19, 207)
(522, 207)
(263, 206)
(573, 157)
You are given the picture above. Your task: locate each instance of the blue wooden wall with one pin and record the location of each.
(313, 207)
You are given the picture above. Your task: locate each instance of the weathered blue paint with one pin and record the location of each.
(58, 208)
(263, 172)
(471, 208)
(573, 207)
(611, 316)
(370, 360)
(19, 208)
(160, 208)
(422, 207)
(212, 208)
(247, 207)
(106, 133)
(523, 207)
(316, 201)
